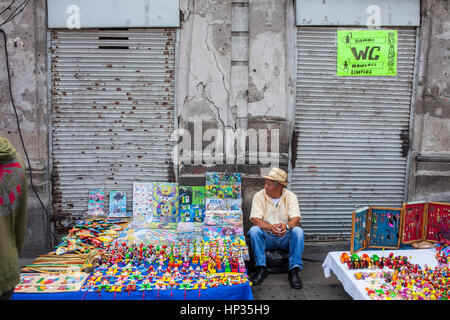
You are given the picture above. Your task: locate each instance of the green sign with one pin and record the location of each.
(366, 53)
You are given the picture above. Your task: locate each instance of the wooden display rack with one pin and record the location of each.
(376, 227)
(413, 224)
(422, 221)
(360, 221)
(385, 227)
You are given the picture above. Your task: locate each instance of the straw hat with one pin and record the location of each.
(278, 175)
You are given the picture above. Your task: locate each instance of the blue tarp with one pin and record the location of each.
(234, 292)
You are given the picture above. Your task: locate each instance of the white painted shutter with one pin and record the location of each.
(349, 150)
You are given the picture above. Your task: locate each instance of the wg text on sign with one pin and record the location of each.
(366, 53)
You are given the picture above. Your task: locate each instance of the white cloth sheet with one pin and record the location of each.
(356, 288)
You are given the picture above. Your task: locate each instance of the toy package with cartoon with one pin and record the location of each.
(96, 203)
(118, 204)
(154, 202)
(191, 204)
(223, 214)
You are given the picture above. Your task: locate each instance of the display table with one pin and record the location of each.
(235, 292)
(356, 288)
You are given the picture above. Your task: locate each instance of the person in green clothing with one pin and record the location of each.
(13, 216)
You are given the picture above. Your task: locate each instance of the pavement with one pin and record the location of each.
(315, 285)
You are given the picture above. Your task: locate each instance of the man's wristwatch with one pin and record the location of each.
(287, 226)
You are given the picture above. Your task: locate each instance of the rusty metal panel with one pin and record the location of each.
(112, 94)
(349, 147)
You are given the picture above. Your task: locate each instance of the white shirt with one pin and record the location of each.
(275, 201)
(264, 207)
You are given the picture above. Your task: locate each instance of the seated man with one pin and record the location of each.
(275, 214)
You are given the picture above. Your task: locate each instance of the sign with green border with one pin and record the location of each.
(366, 53)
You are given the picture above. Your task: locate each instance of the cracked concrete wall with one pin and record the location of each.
(430, 167)
(235, 72)
(267, 63)
(27, 46)
(204, 62)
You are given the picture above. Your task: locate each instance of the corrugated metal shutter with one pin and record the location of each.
(113, 112)
(349, 150)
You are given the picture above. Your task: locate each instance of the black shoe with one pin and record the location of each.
(294, 279)
(259, 275)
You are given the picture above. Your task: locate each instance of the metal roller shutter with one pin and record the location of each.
(112, 112)
(349, 149)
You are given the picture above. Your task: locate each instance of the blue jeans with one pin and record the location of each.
(293, 241)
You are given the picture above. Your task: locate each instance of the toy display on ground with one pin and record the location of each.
(156, 250)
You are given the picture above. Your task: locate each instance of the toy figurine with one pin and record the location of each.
(234, 266)
(172, 282)
(176, 273)
(186, 284)
(227, 266)
(344, 257)
(160, 285)
(104, 285)
(202, 283)
(211, 268)
(131, 286)
(146, 285)
(91, 284)
(241, 265)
